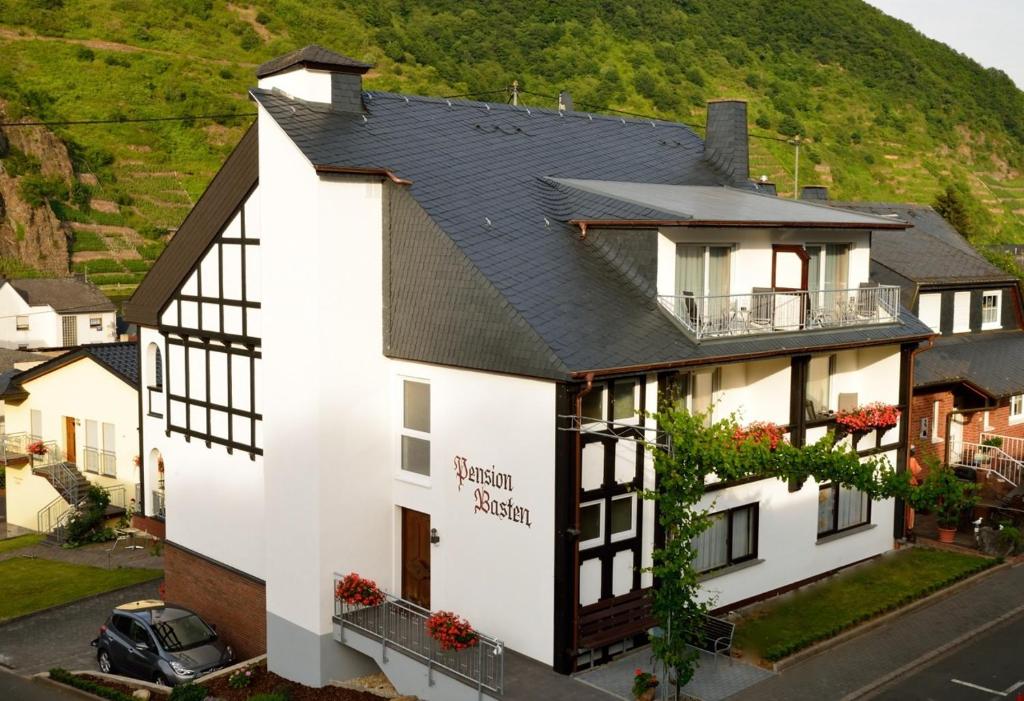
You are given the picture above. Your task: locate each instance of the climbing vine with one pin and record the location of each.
(693, 452)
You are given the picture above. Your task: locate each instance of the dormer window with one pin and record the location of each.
(991, 309)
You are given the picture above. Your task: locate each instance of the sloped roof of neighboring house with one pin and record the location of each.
(992, 363)
(120, 359)
(931, 251)
(65, 295)
(8, 357)
(504, 183)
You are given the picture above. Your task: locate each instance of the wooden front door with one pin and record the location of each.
(416, 557)
(69, 439)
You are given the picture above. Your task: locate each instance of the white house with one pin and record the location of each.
(54, 313)
(409, 337)
(82, 407)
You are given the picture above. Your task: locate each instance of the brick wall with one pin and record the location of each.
(154, 526)
(921, 407)
(236, 604)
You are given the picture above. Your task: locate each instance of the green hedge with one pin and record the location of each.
(63, 676)
(778, 652)
(188, 692)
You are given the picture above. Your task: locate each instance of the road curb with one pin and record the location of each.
(929, 656)
(17, 619)
(870, 625)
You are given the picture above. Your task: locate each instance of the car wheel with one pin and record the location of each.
(103, 660)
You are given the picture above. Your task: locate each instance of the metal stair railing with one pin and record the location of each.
(65, 479)
(402, 626)
(990, 459)
(1011, 445)
(54, 513)
(13, 445)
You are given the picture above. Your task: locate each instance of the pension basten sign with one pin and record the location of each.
(488, 484)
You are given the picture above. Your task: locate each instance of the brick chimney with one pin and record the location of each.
(315, 74)
(725, 142)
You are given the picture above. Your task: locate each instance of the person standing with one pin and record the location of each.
(916, 473)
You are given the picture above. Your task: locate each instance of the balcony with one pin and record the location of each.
(395, 635)
(764, 310)
(100, 462)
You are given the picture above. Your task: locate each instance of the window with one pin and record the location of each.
(624, 400)
(622, 523)
(92, 457)
(1017, 407)
(702, 271)
(828, 266)
(841, 508)
(154, 367)
(961, 312)
(936, 408)
(21, 322)
(591, 524)
(818, 397)
(991, 309)
(925, 431)
(731, 539)
(929, 310)
(69, 326)
(593, 404)
(37, 424)
(96, 323)
(416, 427)
(108, 464)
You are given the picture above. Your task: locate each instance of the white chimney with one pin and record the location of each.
(315, 74)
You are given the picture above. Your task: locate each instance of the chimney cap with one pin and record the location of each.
(312, 56)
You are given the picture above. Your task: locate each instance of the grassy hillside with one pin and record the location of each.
(885, 113)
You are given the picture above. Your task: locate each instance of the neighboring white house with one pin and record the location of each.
(54, 313)
(410, 337)
(83, 408)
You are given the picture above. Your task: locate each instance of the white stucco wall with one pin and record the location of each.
(45, 328)
(304, 83)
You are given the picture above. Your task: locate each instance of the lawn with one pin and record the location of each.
(31, 584)
(21, 541)
(782, 627)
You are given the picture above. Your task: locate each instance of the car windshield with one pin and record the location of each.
(181, 633)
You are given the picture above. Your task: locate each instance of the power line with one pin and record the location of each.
(128, 120)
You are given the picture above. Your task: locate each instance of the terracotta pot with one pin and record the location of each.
(648, 695)
(946, 535)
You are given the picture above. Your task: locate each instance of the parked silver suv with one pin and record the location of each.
(160, 643)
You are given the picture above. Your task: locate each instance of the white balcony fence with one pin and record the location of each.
(765, 310)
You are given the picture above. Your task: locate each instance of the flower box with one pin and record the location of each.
(358, 591)
(765, 432)
(870, 417)
(37, 448)
(452, 632)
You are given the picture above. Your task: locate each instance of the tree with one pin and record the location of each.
(951, 205)
(690, 452)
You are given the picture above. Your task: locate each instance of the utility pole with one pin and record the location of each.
(515, 93)
(796, 167)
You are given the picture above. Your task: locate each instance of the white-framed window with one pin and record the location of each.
(731, 539)
(1017, 407)
(96, 323)
(988, 422)
(961, 312)
(21, 323)
(702, 270)
(929, 310)
(92, 455)
(594, 406)
(936, 406)
(415, 427)
(841, 508)
(991, 309)
(591, 524)
(925, 431)
(154, 367)
(622, 519)
(36, 424)
(625, 400)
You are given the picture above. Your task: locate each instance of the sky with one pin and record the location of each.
(989, 31)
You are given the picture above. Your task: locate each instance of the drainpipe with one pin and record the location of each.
(578, 470)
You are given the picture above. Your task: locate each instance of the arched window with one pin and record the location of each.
(154, 368)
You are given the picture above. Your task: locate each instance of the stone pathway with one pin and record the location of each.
(848, 669)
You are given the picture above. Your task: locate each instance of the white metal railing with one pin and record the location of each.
(101, 462)
(987, 458)
(1011, 445)
(772, 311)
(402, 625)
(14, 445)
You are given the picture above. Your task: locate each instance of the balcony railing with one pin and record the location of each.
(401, 625)
(771, 311)
(101, 462)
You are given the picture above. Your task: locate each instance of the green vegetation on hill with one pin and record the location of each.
(884, 113)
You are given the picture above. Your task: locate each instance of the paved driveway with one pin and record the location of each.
(60, 637)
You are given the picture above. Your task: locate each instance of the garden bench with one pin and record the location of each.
(715, 636)
(614, 620)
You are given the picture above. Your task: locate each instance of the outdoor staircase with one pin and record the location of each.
(72, 486)
(994, 461)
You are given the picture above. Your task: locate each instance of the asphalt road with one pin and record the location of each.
(60, 637)
(990, 666)
(15, 688)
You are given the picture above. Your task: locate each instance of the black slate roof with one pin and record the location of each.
(931, 251)
(992, 362)
(64, 294)
(479, 172)
(121, 359)
(313, 56)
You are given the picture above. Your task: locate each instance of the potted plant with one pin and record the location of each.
(944, 494)
(452, 632)
(645, 685)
